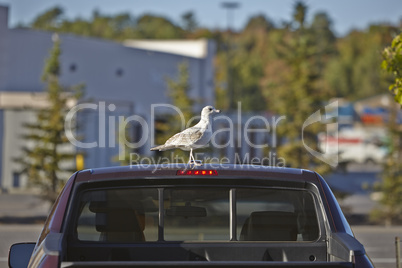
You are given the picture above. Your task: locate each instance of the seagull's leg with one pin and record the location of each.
(192, 159)
(195, 161)
(191, 156)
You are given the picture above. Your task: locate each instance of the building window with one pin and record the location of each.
(73, 67)
(119, 72)
(16, 180)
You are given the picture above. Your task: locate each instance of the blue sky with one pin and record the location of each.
(345, 14)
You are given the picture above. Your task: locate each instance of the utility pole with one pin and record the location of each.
(229, 6)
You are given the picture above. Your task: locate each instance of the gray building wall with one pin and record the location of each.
(1, 147)
(97, 63)
(107, 149)
(13, 119)
(3, 44)
(13, 143)
(130, 78)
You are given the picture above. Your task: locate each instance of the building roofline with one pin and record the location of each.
(30, 100)
(189, 48)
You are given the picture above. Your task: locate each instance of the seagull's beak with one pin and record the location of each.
(217, 111)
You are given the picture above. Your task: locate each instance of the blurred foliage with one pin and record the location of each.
(347, 66)
(392, 62)
(170, 124)
(121, 26)
(296, 89)
(189, 22)
(391, 185)
(390, 211)
(49, 20)
(292, 68)
(355, 72)
(50, 161)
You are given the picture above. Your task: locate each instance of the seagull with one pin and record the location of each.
(191, 138)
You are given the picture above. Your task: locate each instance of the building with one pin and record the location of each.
(120, 80)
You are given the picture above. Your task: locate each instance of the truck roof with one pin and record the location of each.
(175, 170)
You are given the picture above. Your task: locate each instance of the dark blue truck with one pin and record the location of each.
(182, 215)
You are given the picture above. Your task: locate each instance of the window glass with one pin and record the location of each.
(119, 215)
(131, 215)
(198, 214)
(276, 215)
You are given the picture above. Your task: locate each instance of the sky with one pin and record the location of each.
(345, 14)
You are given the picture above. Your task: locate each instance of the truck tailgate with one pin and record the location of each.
(207, 264)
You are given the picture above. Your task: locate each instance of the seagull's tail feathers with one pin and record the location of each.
(163, 147)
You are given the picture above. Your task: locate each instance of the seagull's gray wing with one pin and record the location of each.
(185, 138)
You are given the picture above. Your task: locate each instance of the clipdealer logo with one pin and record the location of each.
(109, 125)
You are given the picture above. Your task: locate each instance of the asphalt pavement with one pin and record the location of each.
(22, 208)
(16, 233)
(379, 243)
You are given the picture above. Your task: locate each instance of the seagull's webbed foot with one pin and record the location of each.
(195, 162)
(192, 161)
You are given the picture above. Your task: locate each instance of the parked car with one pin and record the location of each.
(355, 146)
(180, 215)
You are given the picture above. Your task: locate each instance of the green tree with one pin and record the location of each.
(49, 20)
(324, 39)
(155, 27)
(247, 71)
(391, 186)
(45, 163)
(189, 22)
(354, 72)
(295, 92)
(259, 23)
(392, 62)
(240, 63)
(117, 27)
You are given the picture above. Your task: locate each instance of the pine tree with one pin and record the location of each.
(178, 90)
(50, 160)
(296, 93)
(189, 22)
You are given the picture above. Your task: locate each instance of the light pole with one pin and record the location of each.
(229, 6)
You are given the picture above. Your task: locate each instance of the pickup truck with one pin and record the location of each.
(182, 215)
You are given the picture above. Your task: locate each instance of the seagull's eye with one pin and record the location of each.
(210, 109)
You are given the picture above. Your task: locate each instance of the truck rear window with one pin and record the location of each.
(137, 215)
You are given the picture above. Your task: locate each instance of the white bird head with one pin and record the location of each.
(207, 111)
